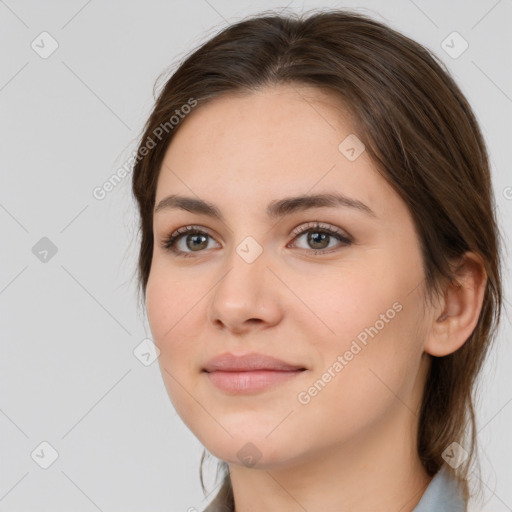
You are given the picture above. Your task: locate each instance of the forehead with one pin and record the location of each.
(281, 114)
(282, 131)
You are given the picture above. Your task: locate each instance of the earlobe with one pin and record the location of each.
(460, 306)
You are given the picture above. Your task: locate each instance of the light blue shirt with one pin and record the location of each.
(442, 494)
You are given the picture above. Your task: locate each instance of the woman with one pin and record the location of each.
(320, 264)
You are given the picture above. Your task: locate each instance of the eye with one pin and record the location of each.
(319, 237)
(195, 239)
(193, 236)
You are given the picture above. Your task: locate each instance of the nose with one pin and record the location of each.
(246, 297)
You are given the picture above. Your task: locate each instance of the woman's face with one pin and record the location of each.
(347, 306)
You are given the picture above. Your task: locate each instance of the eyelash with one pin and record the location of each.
(169, 242)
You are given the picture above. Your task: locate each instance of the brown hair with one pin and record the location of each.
(421, 133)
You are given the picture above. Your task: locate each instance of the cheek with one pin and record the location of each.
(345, 303)
(159, 309)
(371, 318)
(167, 302)
(176, 317)
(168, 305)
(358, 383)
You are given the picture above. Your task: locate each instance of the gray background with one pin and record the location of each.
(70, 324)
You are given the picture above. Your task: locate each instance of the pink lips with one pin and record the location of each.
(249, 373)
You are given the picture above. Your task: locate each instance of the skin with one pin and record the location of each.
(353, 446)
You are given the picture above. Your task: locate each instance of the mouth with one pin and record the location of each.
(251, 381)
(249, 372)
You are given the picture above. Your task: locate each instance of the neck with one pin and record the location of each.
(377, 470)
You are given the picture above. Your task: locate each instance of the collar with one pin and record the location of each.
(442, 494)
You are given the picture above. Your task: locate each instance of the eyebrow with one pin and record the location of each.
(275, 209)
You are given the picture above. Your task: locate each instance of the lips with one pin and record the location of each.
(249, 373)
(248, 362)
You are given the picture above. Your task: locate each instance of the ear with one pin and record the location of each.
(459, 308)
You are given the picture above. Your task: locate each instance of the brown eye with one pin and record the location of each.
(195, 240)
(318, 238)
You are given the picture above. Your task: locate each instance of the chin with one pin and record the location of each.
(258, 453)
